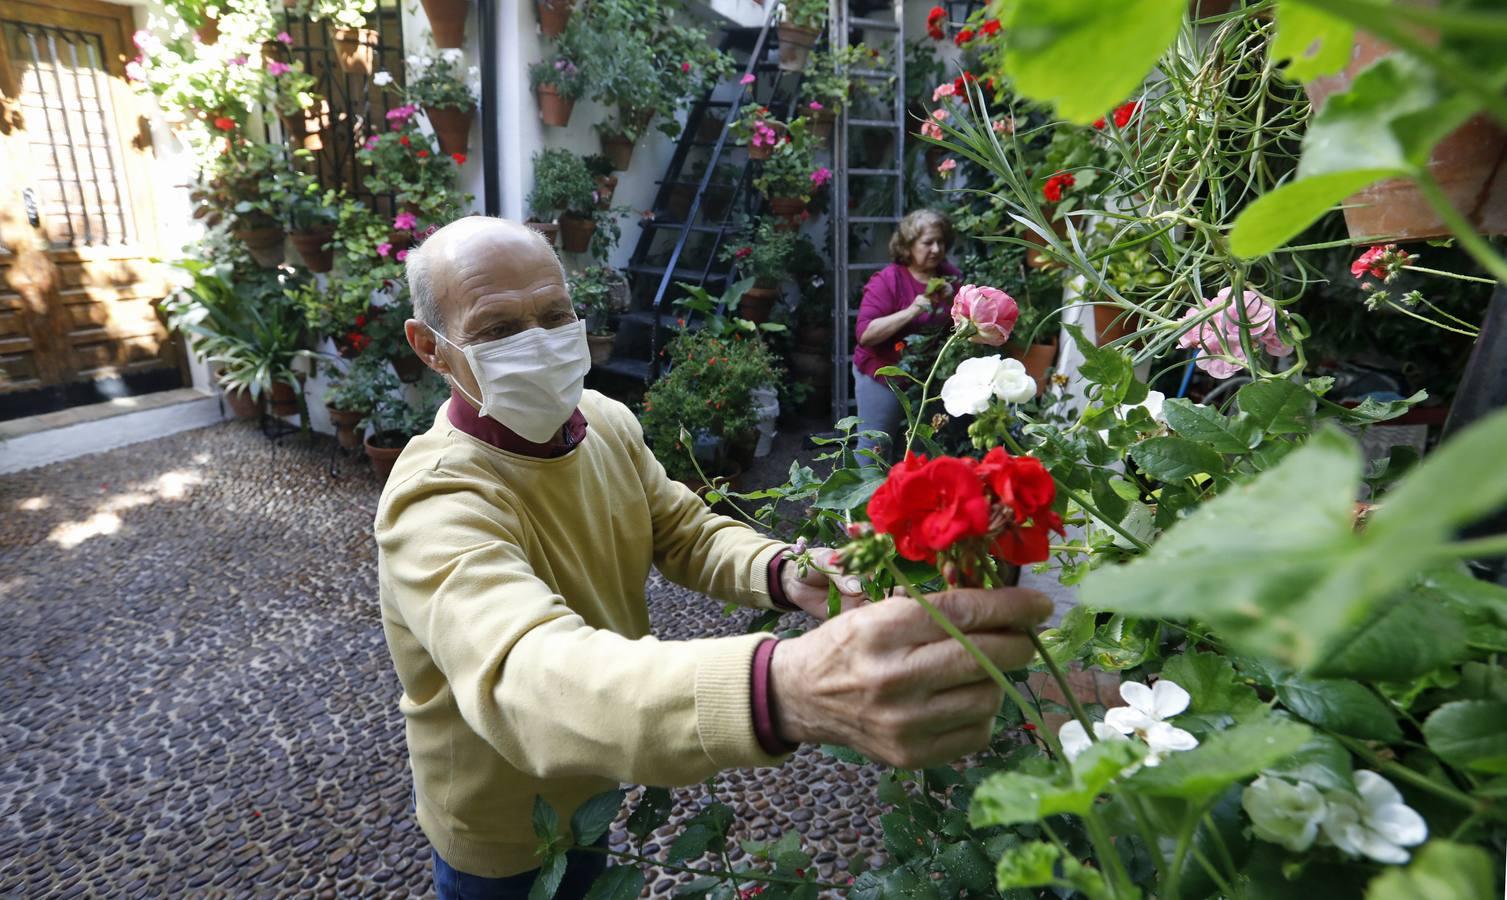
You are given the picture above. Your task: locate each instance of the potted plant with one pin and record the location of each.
(302, 112)
(564, 191)
(598, 292)
(557, 83)
(757, 128)
(242, 187)
(353, 394)
(434, 85)
(311, 216)
(828, 86)
(617, 144)
(554, 16)
(447, 22)
(601, 170)
(355, 44)
(394, 420)
(790, 176)
(402, 162)
(763, 252)
(800, 25)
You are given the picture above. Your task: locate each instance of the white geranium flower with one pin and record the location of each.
(382, 79)
(977, 380)
(1152, 404)
(1284, 813)
(452, 55)
(1145, 717)
(1375, 822)
(1075, 739)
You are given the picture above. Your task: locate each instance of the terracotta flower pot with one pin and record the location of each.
(447, 22)
(305, 129)
(758, 303)
(554, 15)
(310, 246)
(554, 110)
(600, 346)
(345, 422)
(789, 210)
(452, 127)
(1038, 360)
(547, 229)
(576, 232)
(795, 46)
(822, 123)
(383, 449)
(274, 51)
(356, 49)
(265, 244)
(209, 32)
(1112, 323)
(242, 404)
(618, 149)
(606, 187)
(283, 399)
(409, 367)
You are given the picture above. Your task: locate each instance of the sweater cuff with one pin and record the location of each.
(724, 703)
(764, 579)
(777, 584)
(763, 702)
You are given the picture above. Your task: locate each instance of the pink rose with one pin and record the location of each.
(1217, 337)
(992, 311)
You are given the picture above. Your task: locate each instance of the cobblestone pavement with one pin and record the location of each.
(197, 700)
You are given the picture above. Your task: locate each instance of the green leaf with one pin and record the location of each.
(617, 883)
(1222, 759)
(849, 488)
(1458, 483)
(904, 840)
(1207, 425)
(692, 842)
(1276, 217)
(1028, 865)
(1212, 685)
(1012, 798)
(1471, 734)
(1049, 40)
(1112, 370)
(551, 873)
(1322, 761)
(592, 818)
(1372, 411)
(653, 810)
(1067, 640)
(965, 866)
(1314, 42)
(845, 754)
(546, 820)
(1440, 871)
(1278, 407)
(1408, 637)
(1339, 705)
(1173, 458)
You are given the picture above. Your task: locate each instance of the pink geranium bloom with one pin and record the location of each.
(405, 221)
(943, 90)
(401, 113)
(372, 141)
(991, 310)
(821, 176)
(285, 38)
(384, 248)
(275, 68)
(941, 115)
(947, 166)
(932, 130)
(815, 106)
(1218, 336)
(747, 79)
(402, 255)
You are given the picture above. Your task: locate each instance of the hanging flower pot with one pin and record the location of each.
(447, 22)
(757, 303)
(310, 247)
(789, 210)
(636, 118)
(547, 229)
(606, 187)
(274, 51)
(452, 127)
(1112, 323)
(600, 346)
(383, 449)
(822, 123)
(264, 243)
(795, 46)
(356, 49)
(576, 232)
(1470, 166)
(554, 110)
(209, 32)
(554, 15)
(345, 422)
(619, 149)
(305, 129)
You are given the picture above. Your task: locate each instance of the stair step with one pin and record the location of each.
(873, 220)
(887, 25)
(667, 321)
(672, 223)
(873, 171)
(627, 368)
(872, 123)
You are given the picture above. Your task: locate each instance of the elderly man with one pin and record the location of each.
(515, 538)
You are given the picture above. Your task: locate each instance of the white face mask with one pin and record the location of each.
(530, 382)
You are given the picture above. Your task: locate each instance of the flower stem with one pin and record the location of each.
(1416, 779)
(910, 433)
(1078, 498)
(1398, 307)
(1057, 674)
(1480, 548)
(1427, 271)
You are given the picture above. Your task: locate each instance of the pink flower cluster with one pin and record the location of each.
(405, 221)
(931, 127)
(275, 68)
(1218, 336)
(989, 309)
(821, 176)
(945, 89)
(1381, 261)
(764, 135)
(398, 116)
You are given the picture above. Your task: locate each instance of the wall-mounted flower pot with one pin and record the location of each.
(795, 46)
(554, 110)
(1039, 259)
(576, 232)
(209, 32)
(447, 22)
(822, 123)
(265, 244)
(789, 210)
(757, 303)
(274, 51)
(1470, 165)
(1112, 323)
(383, 449)
(311, 247)
(619, 150)
(306, 129)
(554, 15)
(356, 49)
(452, 127)
(600, 346)
(408, 366)
(345, 422)
(546, 229)
(606, 187)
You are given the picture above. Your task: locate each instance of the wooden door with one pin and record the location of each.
(78, 317)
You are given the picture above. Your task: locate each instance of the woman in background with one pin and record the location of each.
(895, 306)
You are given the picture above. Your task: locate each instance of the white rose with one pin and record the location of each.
(451, 55)
(1284, 813)
(382, 79)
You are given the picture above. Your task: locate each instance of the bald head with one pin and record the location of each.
(479, 262)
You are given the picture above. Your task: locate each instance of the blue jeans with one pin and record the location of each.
(581, 869)
(879, 410)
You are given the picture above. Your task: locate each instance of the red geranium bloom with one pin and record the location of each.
(422, 154)
(1100, 122)
(1125, 112)
(929, 505)
(990, 27)
(934, 20)
(403, 140)
(743, 252)
(1052, 190)
(964, 36)
(361, 321)
(460, 158)
(225, 123)
(1024, 487)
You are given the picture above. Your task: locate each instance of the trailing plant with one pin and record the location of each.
(828, 78)
(436, 82)
(405, 412)
(561, 74)
(598, 292)
(791, 170)
(562, 185)
(763, 252)
(361, 386)
(804, 13)
(403, 162)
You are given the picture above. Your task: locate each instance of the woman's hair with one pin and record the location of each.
(911, 227)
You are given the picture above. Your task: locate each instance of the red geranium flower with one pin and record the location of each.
(1100, 122)
(934, 20)
(460, 158)
(964, 36)
(1125, 112)
(403, 140)
(225, 123)
(1025, 491)
(422, 154)
(990, 27)
(1052, 190)
(929, 505)
(743, 252)
(361, 321)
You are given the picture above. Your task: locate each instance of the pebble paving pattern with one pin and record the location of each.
(196, 699)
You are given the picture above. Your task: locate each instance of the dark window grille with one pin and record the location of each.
(80, 187)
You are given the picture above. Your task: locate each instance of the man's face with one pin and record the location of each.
(492, 280)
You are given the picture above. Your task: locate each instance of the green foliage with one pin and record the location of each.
(560, 73)
(408, 413)
(437, 82)
(788, 171)
(404, 162)
(805, 13)
(562, 184)
(362, 386)
(764, 252)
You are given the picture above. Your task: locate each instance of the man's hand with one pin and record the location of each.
(809, 591)
(886, 681)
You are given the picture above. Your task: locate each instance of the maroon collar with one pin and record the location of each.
(465, 418)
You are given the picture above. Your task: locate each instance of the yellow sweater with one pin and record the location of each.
(513, 603)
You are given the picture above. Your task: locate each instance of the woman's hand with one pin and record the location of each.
(920, 305)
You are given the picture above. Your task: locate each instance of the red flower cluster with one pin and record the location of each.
(1055, 185)
(460, 158)
(964, 36)
(928, 506)
(358, 341)
(934, 20)
(403, 140)
(960, 83)
(990, 28)
(225, 123)
(743, 252)
(422, 154)
(1123, 114)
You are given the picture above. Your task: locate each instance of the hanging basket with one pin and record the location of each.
(576, 232)
(554, 110)
(554, 15)
(311, 248)
(452, 127)
(822, 124)
(356, 49)
(1470, 166)
(789, 210)
(265, 244)
(795, 46)
(447, 22)
(408, 366)
(618, 149)
(757, 303)
(548, 230)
